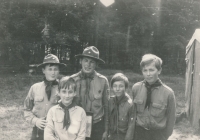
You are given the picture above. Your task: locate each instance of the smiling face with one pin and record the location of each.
(150, 73)
(51, 72)
(88, 65)
(119, 88)
(67, 95)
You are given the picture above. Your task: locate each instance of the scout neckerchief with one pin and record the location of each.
(86, 79)
(115, 112)
(49, 85)
(67, 121)
(149, 88)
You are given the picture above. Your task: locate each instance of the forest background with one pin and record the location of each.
(123, 32)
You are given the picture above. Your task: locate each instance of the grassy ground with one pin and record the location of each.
(14, 88)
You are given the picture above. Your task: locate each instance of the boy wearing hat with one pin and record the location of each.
(155, 102)
(122, 112)
(66, 121)
(42, 96)
(92, 92)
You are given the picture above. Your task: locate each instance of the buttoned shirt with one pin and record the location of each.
(54, 129)
(99, 91)
(161, 113)
(98, 104)
(36, 104)
(127, 116)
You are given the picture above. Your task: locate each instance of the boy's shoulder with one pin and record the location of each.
(38, 84)
(80, 111)
(101, 76)
(167, 88)
(137, 85)
(75, 76)
(79, 108)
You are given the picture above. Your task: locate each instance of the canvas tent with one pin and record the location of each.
(192, 87)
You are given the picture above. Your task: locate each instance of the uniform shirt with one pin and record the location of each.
(99, 90)
(36, 104)
(54, 129)
(161, 113)
(127, 116)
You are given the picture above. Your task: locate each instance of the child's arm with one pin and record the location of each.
(131, 123)
(171, 115)
(49, 131)
(106, 108)
(28, 106)
(82, 131)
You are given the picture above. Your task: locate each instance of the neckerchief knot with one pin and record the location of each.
(87, 75)
(49, 85)
(149, 91)
(67, 121)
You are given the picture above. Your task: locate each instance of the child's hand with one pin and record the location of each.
(41, 123)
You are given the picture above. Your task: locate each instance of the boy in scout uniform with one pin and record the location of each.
(42, 96)
(92, 92)
(122, 112)
(66, 121)
(155, 102)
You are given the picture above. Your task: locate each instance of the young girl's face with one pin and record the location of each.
(119, 88)
(67, 95)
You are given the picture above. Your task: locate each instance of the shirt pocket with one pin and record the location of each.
(39, 98)
(139, 105)
(59, 118)
(158, 110)
(98, 94)
(123, 120)
(74, 126)
(38, 102)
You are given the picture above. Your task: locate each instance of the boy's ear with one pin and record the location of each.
(75, 94)
(43, 70)
(160, 71)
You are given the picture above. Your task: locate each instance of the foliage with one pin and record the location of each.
(123, 32)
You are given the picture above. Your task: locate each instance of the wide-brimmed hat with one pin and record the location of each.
(51, 59)
(91, 52)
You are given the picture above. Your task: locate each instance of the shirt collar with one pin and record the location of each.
(71, 109)
(143, 82)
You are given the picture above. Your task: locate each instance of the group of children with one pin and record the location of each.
(58, 110)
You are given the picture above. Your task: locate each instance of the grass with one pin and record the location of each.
(14, 88)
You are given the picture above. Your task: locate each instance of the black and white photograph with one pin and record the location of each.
(99, 70)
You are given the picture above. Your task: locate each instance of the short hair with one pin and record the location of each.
(149, 58)
(119, 77)
(66, 82)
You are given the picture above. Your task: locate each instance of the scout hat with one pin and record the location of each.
(51, 59)
(91, 52)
